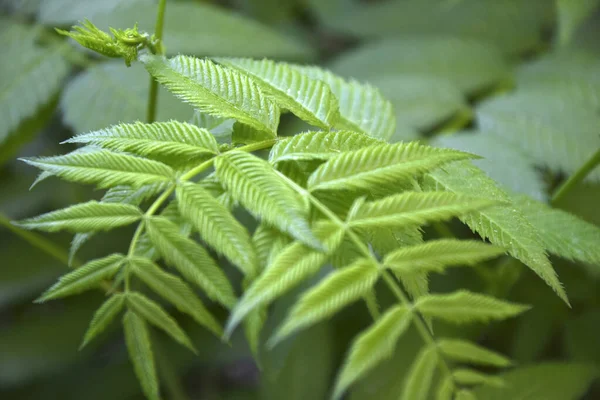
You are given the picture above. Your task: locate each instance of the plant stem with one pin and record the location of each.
(37, 241)
(387, 277)
(577, 177)
(158, 32)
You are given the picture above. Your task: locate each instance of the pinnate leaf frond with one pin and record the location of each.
(467, 352)
(415, 208)
(335, 292)
(103, 317)
(159, 139)
(104, 168)
(255, 184)
(190, 259)
(217, 226)
(85, 217)
(372, 346)
(175, 291)
(504, 225)
(85, 277)
(362, 107)
(380, 165)
(139, 347)
(309, 99)
(294, 264)
(463, 306)
(215, 90)
(436, 255)
(152, 312)
(319, 145)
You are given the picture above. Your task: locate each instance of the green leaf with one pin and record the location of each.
(568, 74)
(85, 277)
(217, 226)
(466, 352)
(309, 99)
(103, 317)
(410, 209)
(421, 101)
(318, 145)
(418, 380)
(116, 95)
(256, 185)
(190, 259)
(268, 242)
(375, 115)
(85, 217)
(291, 266)
(159, 139)
(503, 225)
(372, 346)
(31, 75)
(547, 381)
(446, 389)
(469, 377)
(504, 162)
(153, 313)
(554, 131)
(463, 306)
(465, 394)
(571, 13)
(393, 18)
(175, 291)
(469, 64)
(562, 233)
(436, 255)
(237, 34)
(215, 90)
(379, 165)
(104, 168)
(139, 347)
(335, 292)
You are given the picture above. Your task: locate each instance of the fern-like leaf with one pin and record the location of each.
(503, 225)
(290, 267)
(309, 99)
(318, 145)
(562, 233)
(380, 165)
(268, 242)
(415, 208)
(190, 259)
(139, 347)
(469, 377)
(85, 277)
(255, 184)
(217, 226)
(104, 168)
(85, 217)
(418, 380)
(336, 291)
(175, 291)
(153, 313)
(362, 107)
(103, 317)
(463, 306)
(215, 90)
(436, 255)
(466, 352)
(159, 139)
(372, 346)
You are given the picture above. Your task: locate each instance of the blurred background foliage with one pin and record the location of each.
(516, 81)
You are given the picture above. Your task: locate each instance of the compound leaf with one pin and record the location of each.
(190, 259)
(463, 306)
(103, 317)
(466, 352)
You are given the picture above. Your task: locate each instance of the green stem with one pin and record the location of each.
(37, 241)
(158, 32)
(577, 177)
(387, 277)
